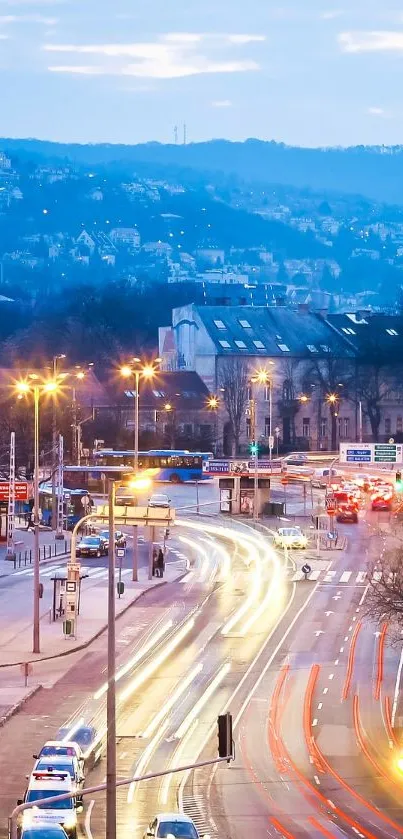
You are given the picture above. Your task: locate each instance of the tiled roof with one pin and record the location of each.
(274, 331)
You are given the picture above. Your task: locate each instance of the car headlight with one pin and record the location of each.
(27, 818)
(70, 821)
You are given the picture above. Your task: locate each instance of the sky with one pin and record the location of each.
(303, 72)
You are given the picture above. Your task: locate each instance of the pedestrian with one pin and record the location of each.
(155, 563)
(161, 563)
(30, 521)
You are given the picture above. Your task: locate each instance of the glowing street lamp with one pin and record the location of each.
(138, 370)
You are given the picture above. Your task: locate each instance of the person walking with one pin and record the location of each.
(155, 563)
(160, 563)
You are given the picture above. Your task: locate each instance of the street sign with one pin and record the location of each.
(21, 490)
(330, 505)
(271, 442)
(120, 553)
(284, 481)
(371, 453)
(306, 569)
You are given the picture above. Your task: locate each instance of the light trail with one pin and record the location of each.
(156, 637)
(145, 757)
(157, 661)
(200, 550)
(171, 702)
(187, 722)
(175, 761)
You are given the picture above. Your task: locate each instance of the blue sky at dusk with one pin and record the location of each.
(302, 71)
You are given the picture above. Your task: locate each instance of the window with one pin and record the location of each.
(241, 345)
(388, 426)
(245, 324)
(249, 393)
(346, 428)
(283, 347)
(259, 345)
(219, 324)
(399, 424)
(225, 344)
(312, 348)
(248, 427)
(267, 427)
(323, 427)
(287, 390)
(392, 332)
(188, 429)
(348, 331)
(306, 427)
(267, 393)
(325, 348)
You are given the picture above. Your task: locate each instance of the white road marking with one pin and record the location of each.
(329, 576)
(360, 578)
(316, 779)
(345, 576)
(336, 661)
(331, 676)
(314, 722)
(342, 649)
(325, 690)
(87, 823)
(320, 706)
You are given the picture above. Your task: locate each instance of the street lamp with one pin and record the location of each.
(38, 388)
(264, 377)
(213, 404)
(146, 371)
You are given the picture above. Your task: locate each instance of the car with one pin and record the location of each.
(120, 538)
(41, 830)
(178, 825)
(347, 513)
(290, 537)
(159, 499)
(43, 785)
(382, 500)
(60, 748)
(86, 738)
(56, 763)
(92, 546)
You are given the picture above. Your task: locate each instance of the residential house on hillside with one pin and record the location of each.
(308, 363)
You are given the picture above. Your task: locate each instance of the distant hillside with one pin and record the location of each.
(375, 172)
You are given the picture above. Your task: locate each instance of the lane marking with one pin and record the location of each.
(331, 676)
(87, 823)
(397, 689)
(342, 649)
(325, 690)
(320, 706)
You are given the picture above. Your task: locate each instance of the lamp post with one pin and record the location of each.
(213, 404)
(56, 358)
(36, 388)
(146, 371)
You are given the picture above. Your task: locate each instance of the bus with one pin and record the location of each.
(73, 507)
(176, 466)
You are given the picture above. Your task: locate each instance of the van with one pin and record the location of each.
(322, 477)
(45, 784)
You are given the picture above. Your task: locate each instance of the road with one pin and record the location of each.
(309, 680)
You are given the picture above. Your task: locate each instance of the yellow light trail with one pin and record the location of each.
(187, 722)
(171, 702)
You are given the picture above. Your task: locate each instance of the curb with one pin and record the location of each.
(18, 705)
(99, 632)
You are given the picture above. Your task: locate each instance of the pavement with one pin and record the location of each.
(24, 543)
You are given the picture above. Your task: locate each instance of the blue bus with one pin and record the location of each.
(73, 506)
(176, 466)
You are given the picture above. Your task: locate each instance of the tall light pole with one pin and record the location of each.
(137, 370)
(213, 404)
(261, 377)
(36, 388)
(56, 358)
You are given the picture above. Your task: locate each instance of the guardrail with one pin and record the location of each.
(25, 557)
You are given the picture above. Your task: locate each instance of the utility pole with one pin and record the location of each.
(111, 694)
(11, 501)
(36, 642)
(60, 511)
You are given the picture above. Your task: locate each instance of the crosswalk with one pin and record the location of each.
(93, 572)
(356, 578)
(195, 807)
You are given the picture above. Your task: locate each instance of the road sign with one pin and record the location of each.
(306, 569)
(21, 490)
(330, 505)
(371, 453)
(271, 442)
(284, 480)
(120, 553)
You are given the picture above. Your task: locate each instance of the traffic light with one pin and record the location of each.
(399, 482)
(254, 448)
(224, 722)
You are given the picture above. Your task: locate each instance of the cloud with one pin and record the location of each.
(376, 41)
(46, 21)
(376, 112)
(221, 103)
(332, 14)
(161, 59)
(244, 39)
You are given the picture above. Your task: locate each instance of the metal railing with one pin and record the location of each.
(25, 557)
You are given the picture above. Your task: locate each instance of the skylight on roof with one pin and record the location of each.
(312, 348)
(392, 332)
(225, 344)
(219, 324)
(325, 348)
(259, 345)
(241, 345)
(283, 347)
(348, 331)
(352, 316)
(245, 324)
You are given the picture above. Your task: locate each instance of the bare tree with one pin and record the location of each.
(379, 373)
(234, 379)
(384, 601)
(333, 377)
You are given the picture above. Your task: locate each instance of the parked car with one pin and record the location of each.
(92, 546)
(290, 537)
(43, 785)
(159, 499)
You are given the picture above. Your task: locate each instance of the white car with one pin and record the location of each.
(159, 500)
(43, 785)
(322, 477)
(290, 537)
(60, 763)
(178, 825)
(60, 748)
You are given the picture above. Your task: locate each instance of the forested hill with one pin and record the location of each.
(376, 172)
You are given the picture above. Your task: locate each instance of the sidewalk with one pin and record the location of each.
(24, 544)
(57, 652)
